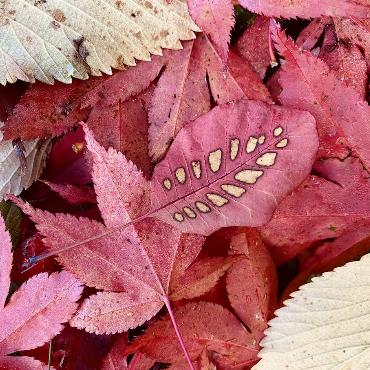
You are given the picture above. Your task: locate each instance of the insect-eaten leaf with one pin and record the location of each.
(222, 169)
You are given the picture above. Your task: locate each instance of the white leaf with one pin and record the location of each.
(326, 325)
(12, 180)
(63, 38)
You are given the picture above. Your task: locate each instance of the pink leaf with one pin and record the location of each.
(113, 175)
(137, 259)
(342, 115)
(309, 9)
(216, 19)
(199, 187)
(5, 262)
(110, 313)
(310, 36)
(37, 310)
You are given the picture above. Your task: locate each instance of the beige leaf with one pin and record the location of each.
(326, 325)
(12, 180)
(73, 38)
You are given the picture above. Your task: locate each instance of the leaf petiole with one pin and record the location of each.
(177, 331)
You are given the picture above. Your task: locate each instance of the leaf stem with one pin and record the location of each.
(49, 354)
(273, 62)
(177, 331)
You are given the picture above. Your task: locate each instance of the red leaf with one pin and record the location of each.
(21, 363)
(216, 19)
(325, 206)
(310, 36)
(357, 31)
(225, 341)
(73, 194)
(5, 263)
(46, 110)
(123, 126)
(309, 9)
(200, 277)
(188, 250)
(345, 60)
(187, 184)
(341, 114)
(253, 45)
(182, 94)
(252, 282)
(115, 359)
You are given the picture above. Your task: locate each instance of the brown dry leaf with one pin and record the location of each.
(62, 39)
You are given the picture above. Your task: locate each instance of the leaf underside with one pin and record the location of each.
(14, 178)
(325, 325)
(62, 39)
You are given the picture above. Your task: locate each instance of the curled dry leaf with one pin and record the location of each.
(251, 282)
(324, 325)
(309, 9)
(70, 40)
(15, 176)
(35, 312)
(225, 341)
(229, 178)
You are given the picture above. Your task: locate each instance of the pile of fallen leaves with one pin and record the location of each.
(175, 174)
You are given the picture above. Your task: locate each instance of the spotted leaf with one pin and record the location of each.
(233, 165)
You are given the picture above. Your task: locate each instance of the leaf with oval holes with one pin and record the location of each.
(223, 168)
